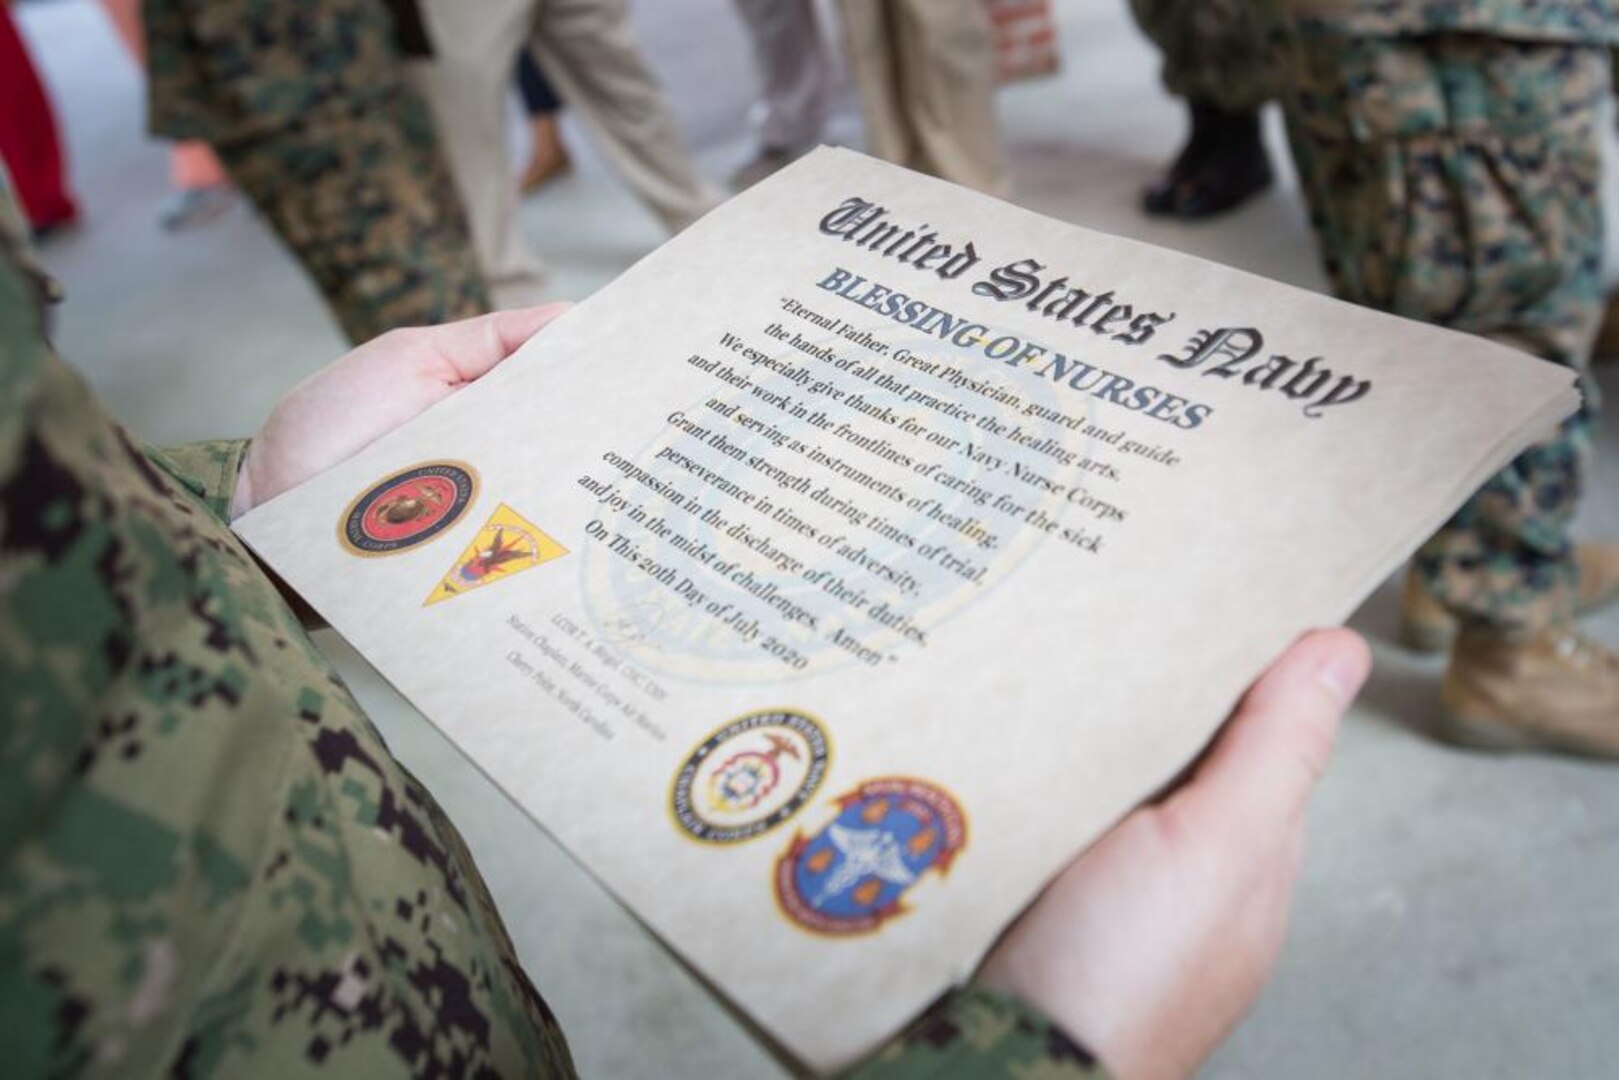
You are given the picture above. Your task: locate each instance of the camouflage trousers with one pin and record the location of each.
(367, 204)
(1214, 51)
(1454, 179)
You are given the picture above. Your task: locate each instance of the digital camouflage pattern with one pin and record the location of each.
(1447, 151)
(370, 209)
(1214, 51)
(1224, 52)
(974, 1034)
(1453, 178)
(308, 106)
(1590, 22)
(210, 864)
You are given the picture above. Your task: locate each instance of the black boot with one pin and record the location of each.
(1221, 166)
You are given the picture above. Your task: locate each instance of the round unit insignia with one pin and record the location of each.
(408, 508)
(749, 776)
(852, 875)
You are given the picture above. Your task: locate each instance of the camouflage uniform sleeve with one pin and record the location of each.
(207, 469)
(210, 864)
(974, 1034)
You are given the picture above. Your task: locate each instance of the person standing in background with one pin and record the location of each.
(588, 51)
(1215, 60)
(202, 191)
(30, 144)
(547, 155)
(795, 83)
(309, 107)
(1449, 157)
(926, 70)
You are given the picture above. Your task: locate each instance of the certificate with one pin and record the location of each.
(832, 578)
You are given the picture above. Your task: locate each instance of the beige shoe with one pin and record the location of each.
(1426, 627)
(1554, 691)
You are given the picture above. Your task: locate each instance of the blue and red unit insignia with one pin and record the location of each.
(853, 875)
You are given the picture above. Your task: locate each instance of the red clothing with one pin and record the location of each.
(28, 141)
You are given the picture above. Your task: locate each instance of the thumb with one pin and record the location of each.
(473, 346)
(1267, 760)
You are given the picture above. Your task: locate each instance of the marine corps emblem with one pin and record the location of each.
(749, 776)
(408, 508)
(852, 876)
(507, 545)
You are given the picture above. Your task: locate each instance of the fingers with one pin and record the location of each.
(1275, 747)
(472, 346)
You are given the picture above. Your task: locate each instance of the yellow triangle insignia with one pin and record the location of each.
(505, 546)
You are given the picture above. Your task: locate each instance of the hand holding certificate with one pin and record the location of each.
(831, 579)
(1152, 945)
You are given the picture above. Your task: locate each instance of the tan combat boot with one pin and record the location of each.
(1553, 691)
(1426, 627)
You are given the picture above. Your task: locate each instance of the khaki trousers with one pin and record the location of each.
(926, 72)
(795, 72)
(589, 52)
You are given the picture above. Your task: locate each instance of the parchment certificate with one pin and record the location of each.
(834, 576)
